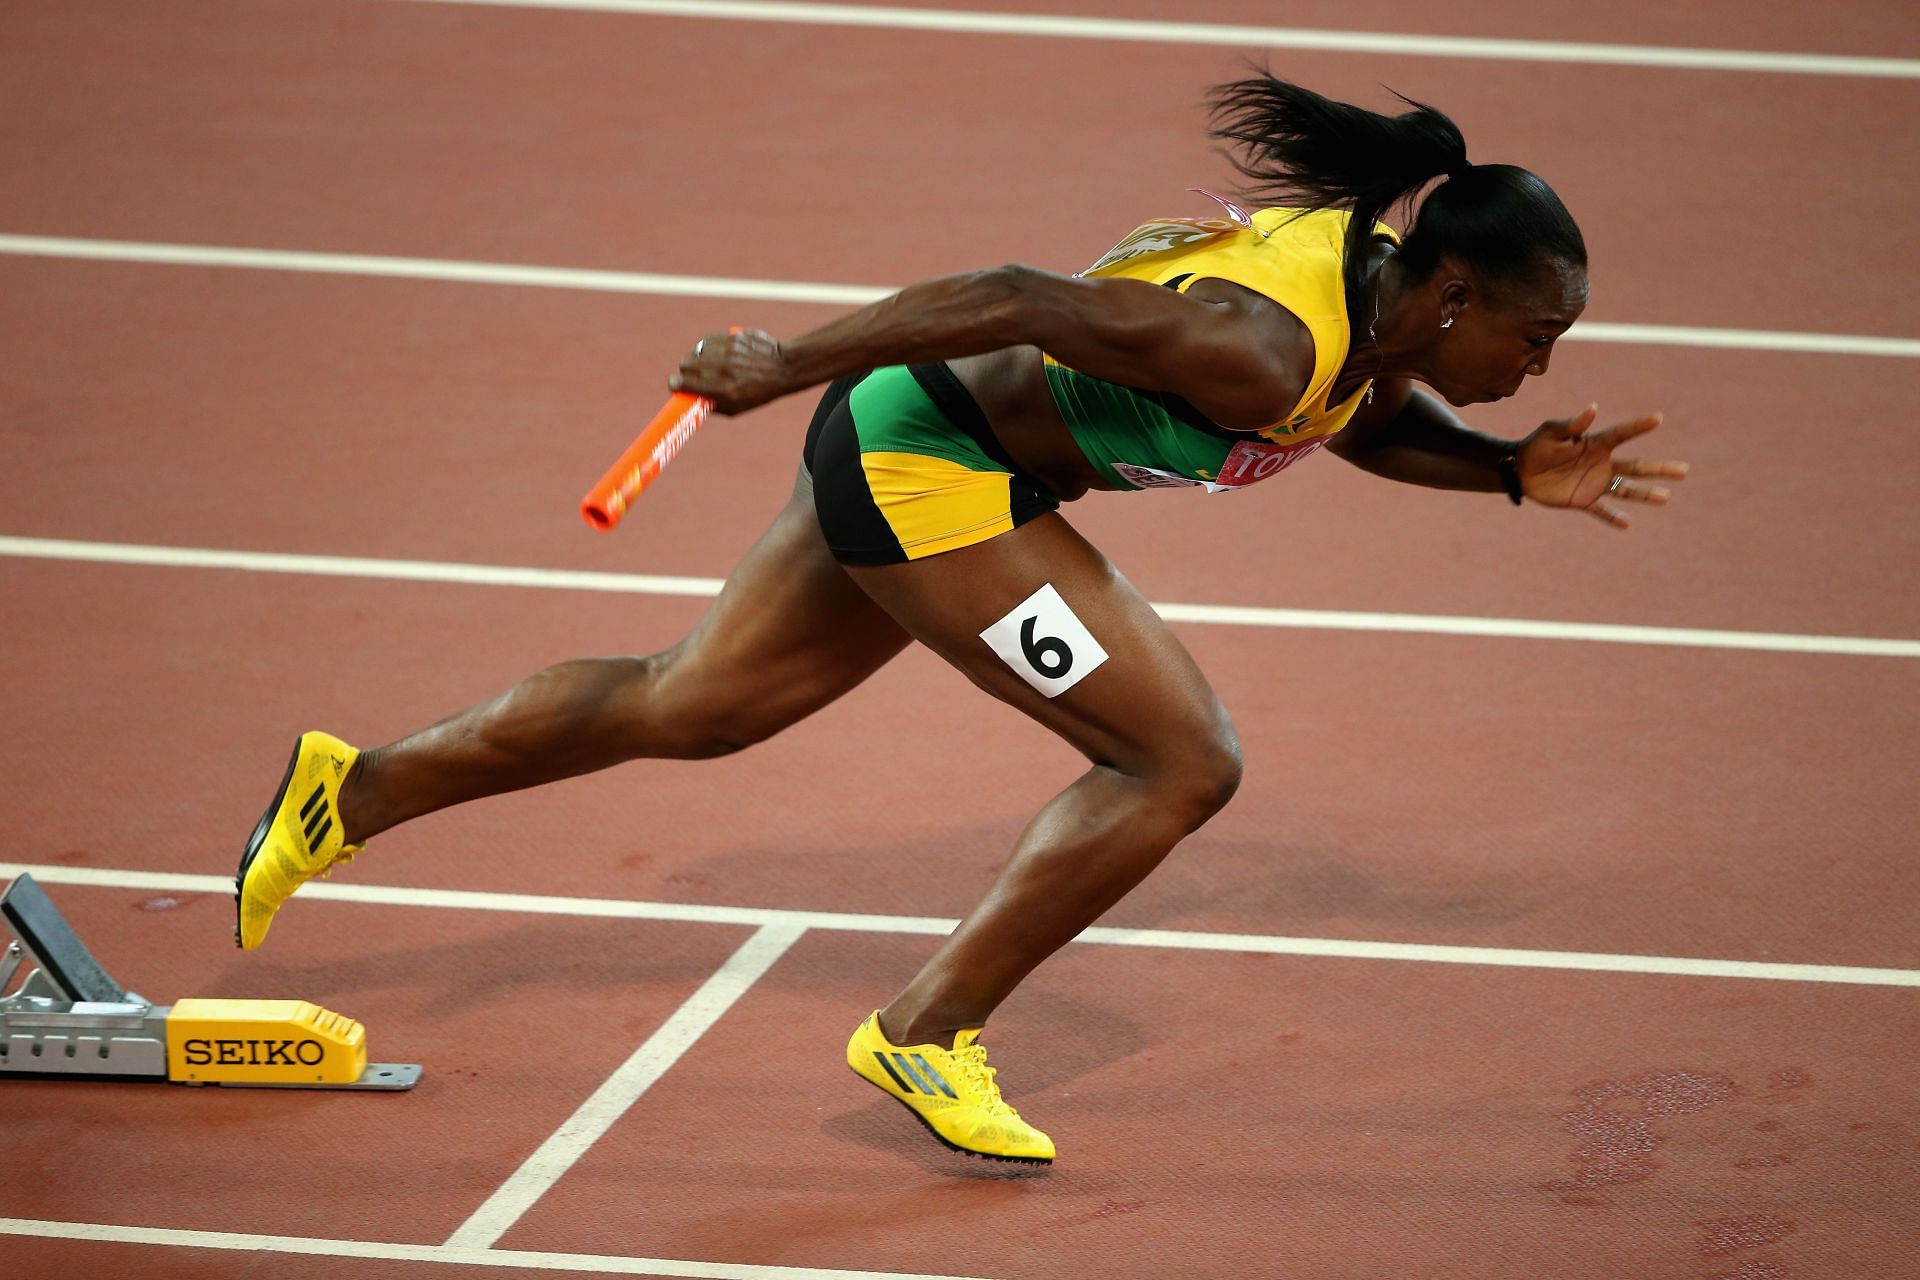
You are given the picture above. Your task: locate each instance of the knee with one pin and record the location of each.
(638, 707)
(1216, 776)
(711, 738)
(692, 715)
(1204, 774)
(584, 700)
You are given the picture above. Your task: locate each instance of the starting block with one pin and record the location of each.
(69, 1019)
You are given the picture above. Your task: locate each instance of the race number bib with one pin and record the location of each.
(1253, 460)
(1045, 644)
(1247, 462)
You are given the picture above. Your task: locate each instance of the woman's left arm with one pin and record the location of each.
(1409, 435)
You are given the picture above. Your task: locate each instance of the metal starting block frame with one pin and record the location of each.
(70, 1019)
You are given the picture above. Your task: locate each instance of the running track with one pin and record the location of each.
(1520, 955)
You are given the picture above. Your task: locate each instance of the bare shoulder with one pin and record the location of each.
(1267, 356)
(1235, 355)
(1248, 303)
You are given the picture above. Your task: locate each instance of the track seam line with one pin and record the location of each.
(550, 1162)
(1234, 35)
(592, 1263)
(456, 271)
(851, 922)
(1205, 614)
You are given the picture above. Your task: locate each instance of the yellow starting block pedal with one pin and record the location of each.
(69, 1019)
(286, 1044)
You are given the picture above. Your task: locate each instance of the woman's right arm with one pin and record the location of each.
(1234, 355)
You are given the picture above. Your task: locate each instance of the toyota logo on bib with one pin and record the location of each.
(1252, 460)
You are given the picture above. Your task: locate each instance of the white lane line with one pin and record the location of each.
(1212, 614)
(358, 264)
(1504, 957)
(481, 575)
(479, 900)
(361, 264)
(1527, 629)
(1173, 939)
(1237, 36)
(1663, 335)
(623, 1088)
(591, 1263)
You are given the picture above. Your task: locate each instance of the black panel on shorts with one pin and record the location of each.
(957, 405)
(1028, 500)
(835, 395)
(856, 531)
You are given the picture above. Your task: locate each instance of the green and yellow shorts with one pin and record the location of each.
(904, 466)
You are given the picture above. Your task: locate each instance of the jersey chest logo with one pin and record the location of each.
(1161, 237)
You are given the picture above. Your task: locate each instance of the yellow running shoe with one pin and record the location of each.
(298, 837)
(951, 1091)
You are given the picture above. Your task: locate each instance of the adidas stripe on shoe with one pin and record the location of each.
(297, 838)
(951, 1091)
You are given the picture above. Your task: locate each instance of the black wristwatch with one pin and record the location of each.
(1509, 470)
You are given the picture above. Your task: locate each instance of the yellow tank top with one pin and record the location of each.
(1144, 439)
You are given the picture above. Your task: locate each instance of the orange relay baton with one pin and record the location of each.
(645, 458)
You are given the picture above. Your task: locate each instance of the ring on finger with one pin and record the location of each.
(1619, 483)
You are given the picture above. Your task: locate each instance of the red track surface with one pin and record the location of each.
(1221, 1114)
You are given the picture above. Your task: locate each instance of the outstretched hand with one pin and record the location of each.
(736, 370)
(1562, 464)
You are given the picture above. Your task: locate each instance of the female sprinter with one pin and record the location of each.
(962, 412)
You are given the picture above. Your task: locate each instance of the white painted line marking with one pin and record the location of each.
(623, 1088)
(1662, 335)
(1178, 940)
(1236, 36)
(354, 264)
(483, 575)
(1213, 614)
(592, 1263)
(1527, 629)
(360, 264)
(476, 900)
(1503, 957)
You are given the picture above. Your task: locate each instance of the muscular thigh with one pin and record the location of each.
(789, 632)
(1145, 703)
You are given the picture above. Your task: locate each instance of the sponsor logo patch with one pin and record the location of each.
(1248, 461)
(1154, 478)
(1252, 460)
(255, 1053)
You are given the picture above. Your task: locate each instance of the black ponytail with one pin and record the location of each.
(1307, 150)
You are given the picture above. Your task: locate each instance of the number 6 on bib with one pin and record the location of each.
(1045, 644)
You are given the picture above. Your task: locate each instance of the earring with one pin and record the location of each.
(1447, 323)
